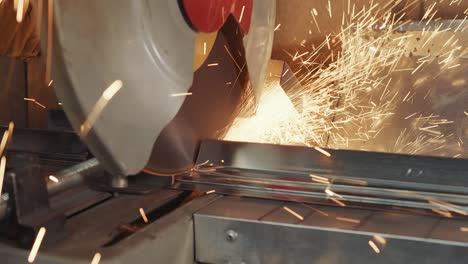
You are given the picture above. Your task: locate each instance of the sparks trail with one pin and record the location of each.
(348, 97)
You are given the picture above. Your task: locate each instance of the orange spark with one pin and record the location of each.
(374, 246)
(211, 191)
(350, 220)
(4, 142)
(36, 245)
(53, 178)
(2, 172)
(242, 14)
(442, 213)
(340, 203)
(324, 152)
(319, 179)
(180, 94)
(380, 239)
(143, 215)
(277, 27)
(106, 96)
(213, 64)
(19, 11)
(332, 193)
(96, 258)
(289, 210)
(464, 229)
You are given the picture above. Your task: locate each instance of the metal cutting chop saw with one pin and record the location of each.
(165, 104)
(151, 86)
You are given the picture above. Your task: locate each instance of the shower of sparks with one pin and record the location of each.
(2, 171)
(180, 94)
(374, 246)
(291, 211)
(143, 215)
(380, 239)
(106, 96)
(349, 220)
(211, 191)
(347, 97)
(53, 178)
(96, 258)
(36, 245)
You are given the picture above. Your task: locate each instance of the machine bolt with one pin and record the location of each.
(231, 235)
(119, 181)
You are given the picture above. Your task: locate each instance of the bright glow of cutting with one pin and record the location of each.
(346, 96)
(294, 213)
(36, 245)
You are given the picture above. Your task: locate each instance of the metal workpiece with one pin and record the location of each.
(325, 234)
(296, 173)
(74, 176)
